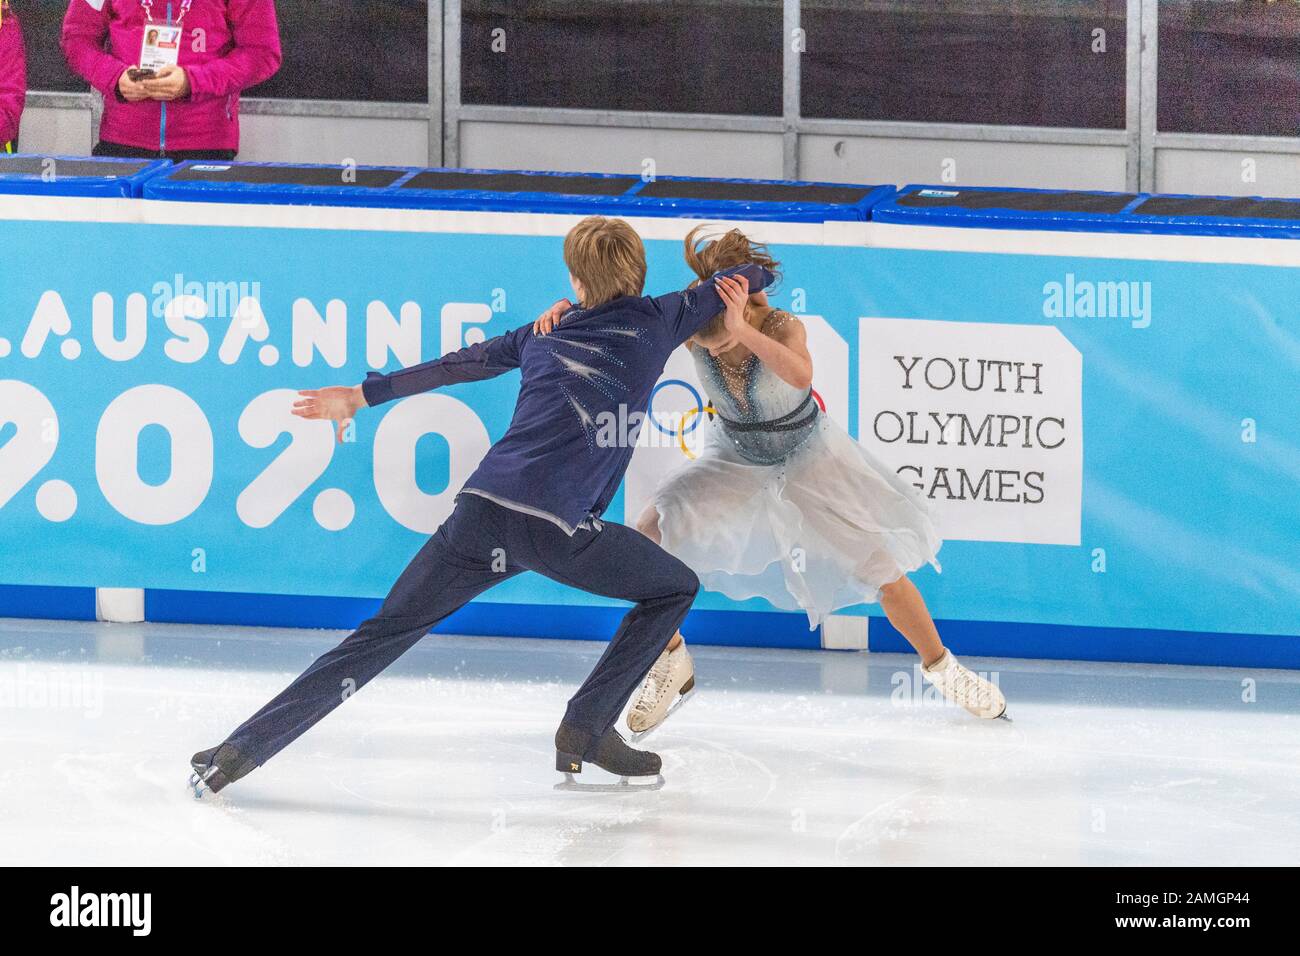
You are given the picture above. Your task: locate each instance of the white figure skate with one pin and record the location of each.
(964, 687)
(669, 685)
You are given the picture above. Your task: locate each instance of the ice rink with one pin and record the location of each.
(783, 757)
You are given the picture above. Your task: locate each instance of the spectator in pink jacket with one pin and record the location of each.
(13, 77)
(186, 111)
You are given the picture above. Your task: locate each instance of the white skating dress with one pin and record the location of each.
(782, 504)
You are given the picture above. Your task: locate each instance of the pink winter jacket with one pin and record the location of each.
(227, 46)
(13, 76)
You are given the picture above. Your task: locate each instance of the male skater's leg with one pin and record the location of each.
(616, 562)
(456, 565)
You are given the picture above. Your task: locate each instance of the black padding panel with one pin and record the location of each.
(1021, 201)
(439, 179)
(288, 175)
(754, 192)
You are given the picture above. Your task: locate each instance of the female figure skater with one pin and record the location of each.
(781, 503)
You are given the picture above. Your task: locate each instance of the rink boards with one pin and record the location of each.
(1104, 424)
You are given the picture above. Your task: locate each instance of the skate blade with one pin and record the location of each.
(624, 785)
(678, 704)
(1004, 716)
(197, 787)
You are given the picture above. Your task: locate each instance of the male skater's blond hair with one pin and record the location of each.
(607, 257)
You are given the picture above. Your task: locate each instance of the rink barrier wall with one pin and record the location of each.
(1090, 211)
(985, 220)
(753, 200)
(524, 191)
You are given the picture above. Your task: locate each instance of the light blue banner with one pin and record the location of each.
(1110, 442)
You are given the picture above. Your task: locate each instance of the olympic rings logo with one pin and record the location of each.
(692, 416)
(660, 387)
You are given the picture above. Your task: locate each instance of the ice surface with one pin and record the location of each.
(783, 757)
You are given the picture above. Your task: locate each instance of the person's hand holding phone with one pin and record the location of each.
(130, 89)
(171, 83)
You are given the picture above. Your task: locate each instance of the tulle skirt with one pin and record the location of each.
(824, 529)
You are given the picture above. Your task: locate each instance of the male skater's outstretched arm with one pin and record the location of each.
(474, 363)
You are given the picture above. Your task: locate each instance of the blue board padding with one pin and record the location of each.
(890, 210)
(405, 196)
(392, 196)
(167, 187)
(111, 183)
(1080, 643)
(399, 195)
(637, 204)
(732, 628)
(1240, 226)
(727, 628)
(1128, 220)
(51, 603)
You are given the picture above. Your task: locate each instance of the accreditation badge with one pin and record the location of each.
(161, 47)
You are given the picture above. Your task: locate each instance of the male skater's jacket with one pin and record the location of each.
(583, 392)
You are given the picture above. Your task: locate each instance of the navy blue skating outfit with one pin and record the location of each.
(535, 500)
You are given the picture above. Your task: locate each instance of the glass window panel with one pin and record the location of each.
(1229, 66)
(348, 50)
(42, 24)
(994, 62)
(697, 56)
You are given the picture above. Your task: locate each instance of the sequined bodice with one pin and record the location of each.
(751, 392)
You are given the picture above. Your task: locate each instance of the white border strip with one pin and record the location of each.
(366, 219)
(1244, 250)
(879, 235)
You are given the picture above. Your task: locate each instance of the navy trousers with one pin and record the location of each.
(481, 545)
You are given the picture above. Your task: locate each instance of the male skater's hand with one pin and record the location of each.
(338, 403)
(549, 319)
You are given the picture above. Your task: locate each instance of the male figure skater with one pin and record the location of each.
(534, 503)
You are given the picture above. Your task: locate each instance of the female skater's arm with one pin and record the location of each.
(786, 353)
(548, 320)
(689, 310)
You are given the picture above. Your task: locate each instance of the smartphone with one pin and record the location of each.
(136, 75)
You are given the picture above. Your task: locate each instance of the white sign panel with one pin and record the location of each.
(984, 419)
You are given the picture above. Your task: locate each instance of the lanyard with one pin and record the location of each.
(147, 6)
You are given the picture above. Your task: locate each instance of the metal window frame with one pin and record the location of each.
(444, 112)
(1148, 29)
(791, 124)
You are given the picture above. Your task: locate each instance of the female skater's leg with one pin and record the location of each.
(673, 673)
(648, 525)
(906, 610)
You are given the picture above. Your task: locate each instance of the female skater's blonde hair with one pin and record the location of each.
(607, 257)
(709, 254)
